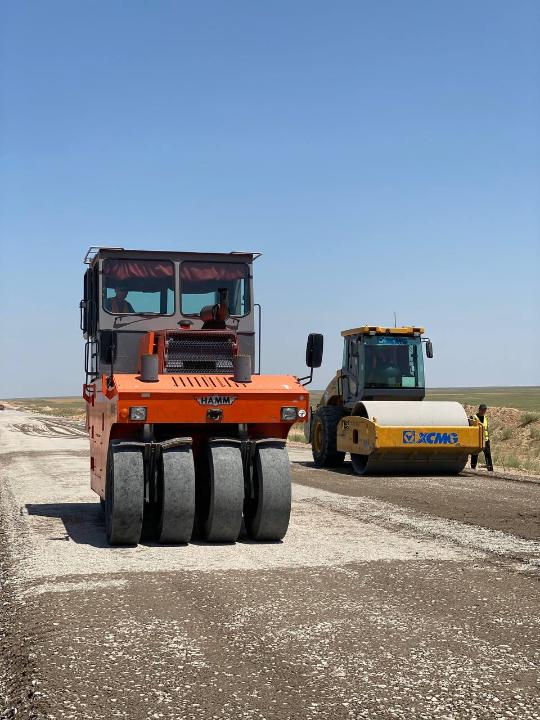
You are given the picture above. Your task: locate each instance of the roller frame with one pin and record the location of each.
(405, 449)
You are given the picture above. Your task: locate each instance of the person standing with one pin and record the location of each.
(482, 419)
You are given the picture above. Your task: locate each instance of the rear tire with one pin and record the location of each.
(176, 495)
(267, 514)
(220, 492)
(124, 494)
(324, 436)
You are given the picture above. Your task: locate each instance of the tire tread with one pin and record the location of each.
(329, 417)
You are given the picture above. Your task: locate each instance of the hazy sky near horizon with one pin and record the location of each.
(383, 156)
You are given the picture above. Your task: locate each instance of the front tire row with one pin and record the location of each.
(169, 500)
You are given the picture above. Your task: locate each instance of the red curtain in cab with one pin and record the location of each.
(196, 272)
(121, 270)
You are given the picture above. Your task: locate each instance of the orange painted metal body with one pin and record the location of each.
(177, 406)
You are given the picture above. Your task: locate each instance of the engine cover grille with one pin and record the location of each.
(199, 351)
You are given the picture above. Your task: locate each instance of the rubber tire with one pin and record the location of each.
(359, 464)
(124, 495)
(327, 417)
(267, 514)
(220, 493)
(176, 495)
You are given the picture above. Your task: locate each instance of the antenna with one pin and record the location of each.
(395, 319)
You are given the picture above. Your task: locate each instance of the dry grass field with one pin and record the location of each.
(68, 407)
(520, 398)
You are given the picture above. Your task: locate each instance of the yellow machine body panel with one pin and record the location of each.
(362, 436)
(407, 449)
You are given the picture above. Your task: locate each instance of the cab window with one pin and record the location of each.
(393, 362)
(138, 286)
(201, 282)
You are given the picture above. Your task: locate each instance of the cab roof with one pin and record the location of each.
(377, 330)
(96, 251)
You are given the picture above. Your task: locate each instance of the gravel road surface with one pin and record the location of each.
(388, 598)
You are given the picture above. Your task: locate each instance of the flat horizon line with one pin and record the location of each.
(429, 389)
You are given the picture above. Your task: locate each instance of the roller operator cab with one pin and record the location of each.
(185, 432)
(370, 409)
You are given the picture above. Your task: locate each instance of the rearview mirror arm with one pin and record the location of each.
(308, 378)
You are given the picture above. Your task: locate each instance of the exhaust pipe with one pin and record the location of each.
(242, 368)
(149, 368)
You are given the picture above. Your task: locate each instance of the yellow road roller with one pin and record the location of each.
(374, 409)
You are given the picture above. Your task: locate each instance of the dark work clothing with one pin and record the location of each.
(117, 306)
(487, 455)
(214, 325)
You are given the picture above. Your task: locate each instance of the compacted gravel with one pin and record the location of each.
(388, 598)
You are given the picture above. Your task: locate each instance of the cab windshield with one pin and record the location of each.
(138, 286)
(201, 283)
(393, 362)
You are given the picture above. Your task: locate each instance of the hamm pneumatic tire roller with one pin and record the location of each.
(183, 436)
(371, 410)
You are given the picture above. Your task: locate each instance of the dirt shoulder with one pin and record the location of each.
(514, 438)
(19, 683)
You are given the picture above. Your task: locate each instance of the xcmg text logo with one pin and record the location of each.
(411, 437)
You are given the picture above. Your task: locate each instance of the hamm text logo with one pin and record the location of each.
(411, 437)
(216, 400)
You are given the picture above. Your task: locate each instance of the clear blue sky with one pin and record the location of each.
(382, 155)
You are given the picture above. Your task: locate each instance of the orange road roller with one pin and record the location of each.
(186, 434)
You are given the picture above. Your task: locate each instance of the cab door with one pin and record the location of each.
(349, 371)
(89, 321)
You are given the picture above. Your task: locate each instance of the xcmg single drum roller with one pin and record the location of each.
(372, 410)
(184, 436)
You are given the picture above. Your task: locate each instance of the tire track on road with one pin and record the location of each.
(467, 536)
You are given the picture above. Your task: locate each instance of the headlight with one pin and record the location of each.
(302, 413)
(288, 414)
(137, 413)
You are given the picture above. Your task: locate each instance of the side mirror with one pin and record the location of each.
(314, 350)
(429, 349)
